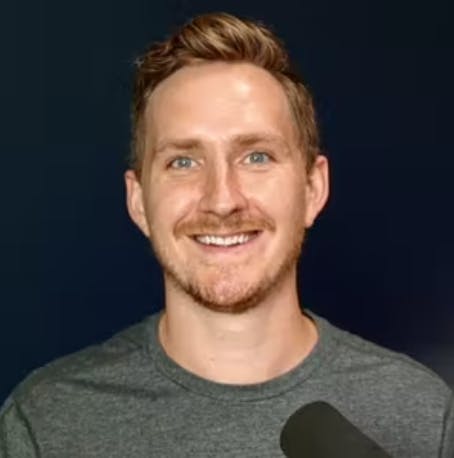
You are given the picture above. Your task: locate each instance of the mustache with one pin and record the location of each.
(233, 223)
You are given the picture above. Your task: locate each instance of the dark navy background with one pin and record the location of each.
(379, 262)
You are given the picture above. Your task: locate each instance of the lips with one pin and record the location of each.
(225, 240)
(213, 227)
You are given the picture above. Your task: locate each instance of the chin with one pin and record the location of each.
(231, 302)
(229, 288)
(222, 295)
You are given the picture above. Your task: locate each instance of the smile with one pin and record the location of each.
(226, 240)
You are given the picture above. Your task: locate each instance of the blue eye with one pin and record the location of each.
(258, 157)
(182, 163)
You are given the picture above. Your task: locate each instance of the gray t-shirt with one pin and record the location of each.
(127, 398)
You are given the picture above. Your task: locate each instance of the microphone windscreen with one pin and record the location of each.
(318, 430)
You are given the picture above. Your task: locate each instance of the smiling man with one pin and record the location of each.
(225, 199)
(226, 177)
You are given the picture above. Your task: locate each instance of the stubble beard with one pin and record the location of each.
(234, 297)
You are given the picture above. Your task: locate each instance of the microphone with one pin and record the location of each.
(318, 430)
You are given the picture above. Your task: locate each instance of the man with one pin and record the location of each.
(226, 177)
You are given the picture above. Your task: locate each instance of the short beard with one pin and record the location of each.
(248, 299)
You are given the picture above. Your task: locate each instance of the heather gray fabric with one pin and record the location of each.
(126, 398)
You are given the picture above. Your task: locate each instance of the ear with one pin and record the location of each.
(317, 189)
(134, 201)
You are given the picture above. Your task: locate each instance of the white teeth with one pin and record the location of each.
(223, 241)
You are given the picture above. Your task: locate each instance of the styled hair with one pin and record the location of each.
(226, 38)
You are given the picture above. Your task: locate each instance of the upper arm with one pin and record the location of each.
(16, 438)
(447, 446)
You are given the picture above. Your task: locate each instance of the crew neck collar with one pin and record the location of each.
(323, 350)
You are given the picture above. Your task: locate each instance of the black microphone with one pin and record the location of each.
(318, 430)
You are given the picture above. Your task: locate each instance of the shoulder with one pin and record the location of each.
(389, 374)
(100, 364)
(72, 399)
(401, 403)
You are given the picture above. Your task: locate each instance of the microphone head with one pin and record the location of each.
(318, 430)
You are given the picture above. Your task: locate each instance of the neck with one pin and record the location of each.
(252, 347)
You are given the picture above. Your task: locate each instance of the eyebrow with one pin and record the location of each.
(247, 139)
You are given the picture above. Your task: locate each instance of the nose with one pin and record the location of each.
(222, 194)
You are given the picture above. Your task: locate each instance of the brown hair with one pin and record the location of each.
(221, 37)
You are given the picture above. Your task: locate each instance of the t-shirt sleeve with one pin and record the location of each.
(16, 439)
(447, 447)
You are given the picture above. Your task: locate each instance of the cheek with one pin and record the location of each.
(279, 195)
(168, 204)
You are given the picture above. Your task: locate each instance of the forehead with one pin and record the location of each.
(217, 101)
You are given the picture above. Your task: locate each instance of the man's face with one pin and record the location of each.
(224, 196)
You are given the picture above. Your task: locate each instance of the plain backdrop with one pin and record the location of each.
(380, 260)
